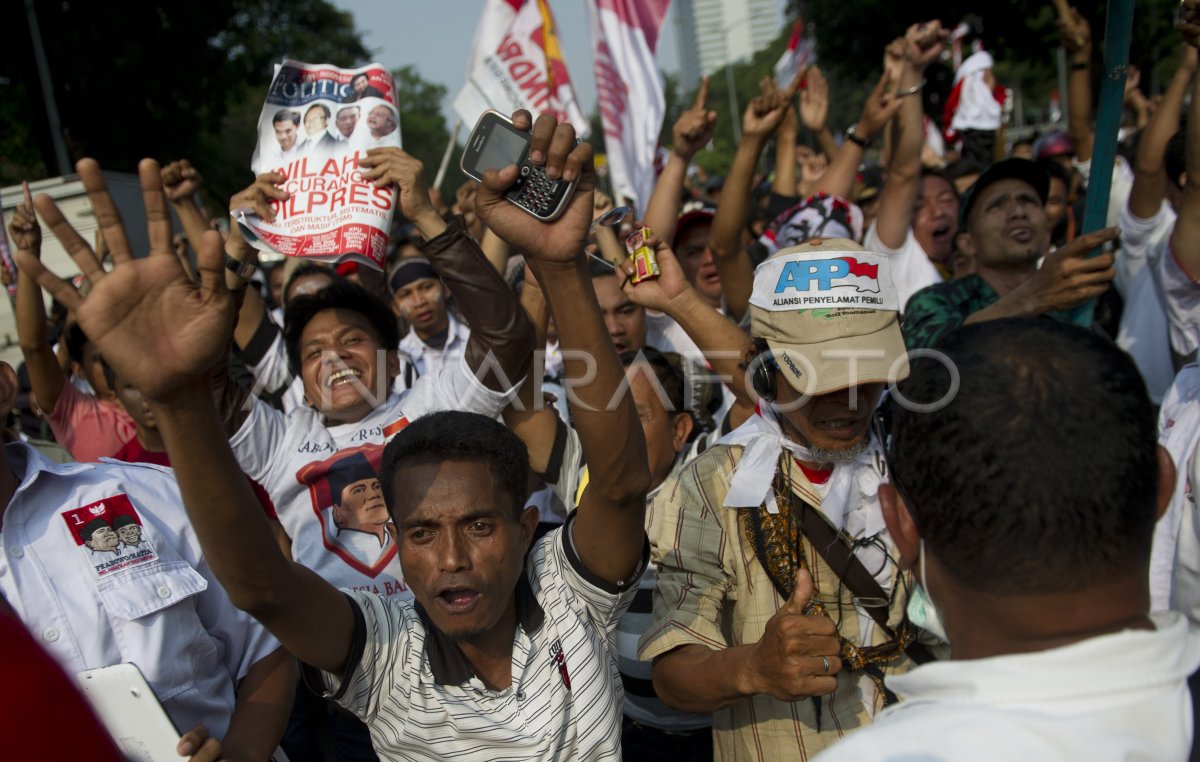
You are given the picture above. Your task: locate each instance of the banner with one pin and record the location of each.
(515, 62)
(317, 122)
(629, 90)
(801, 51)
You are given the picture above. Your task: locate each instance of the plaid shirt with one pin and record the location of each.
(713, 591)
(933, 312)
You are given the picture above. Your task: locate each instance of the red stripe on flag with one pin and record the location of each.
(797, 32)
(646, 15)
(862, 268)
(395, 426)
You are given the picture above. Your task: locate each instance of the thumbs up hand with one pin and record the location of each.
(797, 656)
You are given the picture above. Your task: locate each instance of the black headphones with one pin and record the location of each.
(763, 379)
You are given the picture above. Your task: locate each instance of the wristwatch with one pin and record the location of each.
(853, 136)
(239, 268)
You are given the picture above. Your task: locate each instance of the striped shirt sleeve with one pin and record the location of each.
(380, 647)
(604, 602)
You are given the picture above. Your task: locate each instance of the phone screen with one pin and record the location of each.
(503, 146)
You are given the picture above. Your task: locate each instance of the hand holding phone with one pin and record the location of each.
(496, 143)
(554, 150)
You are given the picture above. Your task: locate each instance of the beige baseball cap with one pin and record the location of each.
(830, 314)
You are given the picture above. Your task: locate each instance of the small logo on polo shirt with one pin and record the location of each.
(556, 653)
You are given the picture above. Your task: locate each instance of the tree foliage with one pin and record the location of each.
(851, 36)
(423, 127)
(1020, 34)
(176, 80)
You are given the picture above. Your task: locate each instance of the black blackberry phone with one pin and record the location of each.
(494, 144)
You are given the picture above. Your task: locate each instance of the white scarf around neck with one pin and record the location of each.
(852, 487)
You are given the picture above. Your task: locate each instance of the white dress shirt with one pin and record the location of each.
(155, 604)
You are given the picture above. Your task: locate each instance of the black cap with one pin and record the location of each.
(90, 528)
(1017, 169)
(346, 471)
(123, 520)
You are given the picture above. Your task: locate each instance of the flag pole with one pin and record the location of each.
(441, 173)
(39, 56)
(1118, 27)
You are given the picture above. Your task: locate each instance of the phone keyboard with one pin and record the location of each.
(535, 191)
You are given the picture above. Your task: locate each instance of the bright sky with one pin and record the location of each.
(435, 40)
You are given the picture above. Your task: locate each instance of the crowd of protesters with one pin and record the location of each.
(859, 475)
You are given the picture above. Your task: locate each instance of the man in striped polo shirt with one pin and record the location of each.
(507, 651)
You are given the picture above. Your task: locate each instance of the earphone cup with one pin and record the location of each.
(763, 381)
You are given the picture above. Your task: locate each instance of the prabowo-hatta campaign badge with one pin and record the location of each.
(110, 534)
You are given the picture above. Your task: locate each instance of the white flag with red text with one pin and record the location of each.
(515, 62)
(801, 51)
(629, 89)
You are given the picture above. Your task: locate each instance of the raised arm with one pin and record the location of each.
(181, 182)
(1076, 36)
(725, 346)
(609, 529)
(257, 197)
(164, 334)
(1185, 240)
(1149, 166)
(535, 423)
(785, 182)
(496, 250)
(500, 331)
(764, 114)
(923, 43)
(691, 132)
(46, 376)
(881, 105)
(1135, 99)
(814, 110)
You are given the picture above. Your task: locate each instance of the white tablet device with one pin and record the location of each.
(131, 713)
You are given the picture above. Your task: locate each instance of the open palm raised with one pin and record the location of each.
(156, 328)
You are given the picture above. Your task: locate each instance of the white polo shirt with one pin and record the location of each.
(418, 695)
(292, 455)
(148, 598)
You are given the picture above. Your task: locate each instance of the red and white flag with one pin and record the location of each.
(801, 51)
(629, 89)
(515, 62)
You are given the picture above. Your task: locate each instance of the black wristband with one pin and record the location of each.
(1080, 65)
(856, 139)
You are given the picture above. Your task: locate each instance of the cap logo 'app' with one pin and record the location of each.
(827, 274)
